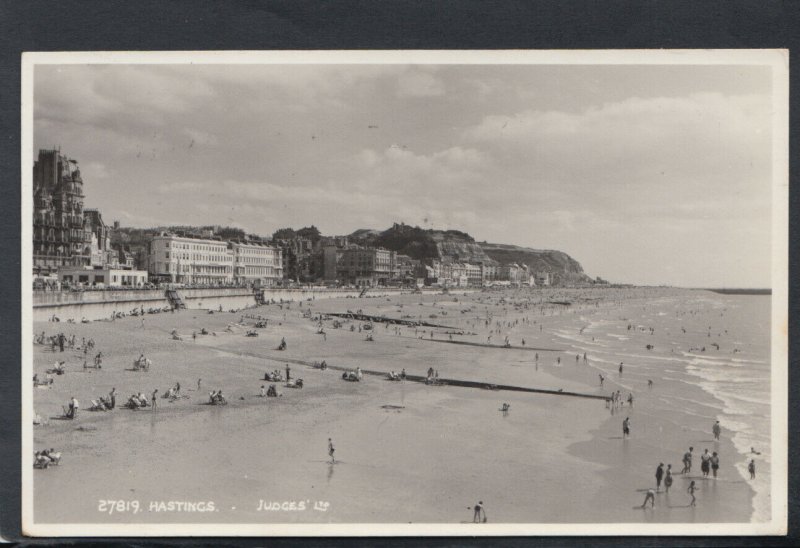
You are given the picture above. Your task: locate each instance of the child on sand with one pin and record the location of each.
(478, 510)
(331, 450)
(692, 488)
(626, 427)
(668, 478)
(650, 496)
(716, 430)
(752, 468)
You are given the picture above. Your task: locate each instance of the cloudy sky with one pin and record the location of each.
(644, 174)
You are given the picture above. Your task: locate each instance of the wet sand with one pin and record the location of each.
(406, 452)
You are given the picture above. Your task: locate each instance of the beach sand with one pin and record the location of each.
(405, 451)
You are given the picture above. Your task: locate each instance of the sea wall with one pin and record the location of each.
(98, 305)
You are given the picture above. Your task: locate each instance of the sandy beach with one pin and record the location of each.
(407, 451)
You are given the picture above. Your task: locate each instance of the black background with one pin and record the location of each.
(88, 25)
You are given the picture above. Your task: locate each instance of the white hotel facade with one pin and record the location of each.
(258, 264)
(182, 259)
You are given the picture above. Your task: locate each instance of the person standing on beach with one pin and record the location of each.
(476, 515)
(154, 399)
(287, 372)
(620, 369)
(705, 459)
(263, 391)
(198, 384)
(752, 469)
(668, 478)
(716, 430)
(659, 475)
(687, 461)
(113, 397)
(331, 449)
(626, 427)
(73, 408)
(602, 378)
(714, 464)
(692, 488)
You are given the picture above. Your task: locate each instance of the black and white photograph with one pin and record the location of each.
(405, 293)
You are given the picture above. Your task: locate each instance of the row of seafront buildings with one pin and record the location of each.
(352, 264)
(73, 246)
(207, 260)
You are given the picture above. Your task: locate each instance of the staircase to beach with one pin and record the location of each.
(259, 295)
(175, 299)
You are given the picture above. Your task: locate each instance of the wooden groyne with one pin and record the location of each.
(384, 319)
(419, 378)
(500, 346)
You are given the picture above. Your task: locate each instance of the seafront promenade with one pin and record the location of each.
(98, 305)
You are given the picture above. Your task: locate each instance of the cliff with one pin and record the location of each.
(564, 268)
(427, 244)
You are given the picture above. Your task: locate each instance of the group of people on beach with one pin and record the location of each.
(709, 464)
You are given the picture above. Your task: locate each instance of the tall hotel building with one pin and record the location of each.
(59, 235)
(257, 264)
(182, 259)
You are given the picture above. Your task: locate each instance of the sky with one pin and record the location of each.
(645, 174)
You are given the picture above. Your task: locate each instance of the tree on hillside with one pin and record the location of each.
(310, 232)
(414, 241)
(283, 234)
(230, 233)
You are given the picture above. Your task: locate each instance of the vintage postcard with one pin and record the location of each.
(405, 293)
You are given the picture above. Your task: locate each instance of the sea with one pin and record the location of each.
(710, 355)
